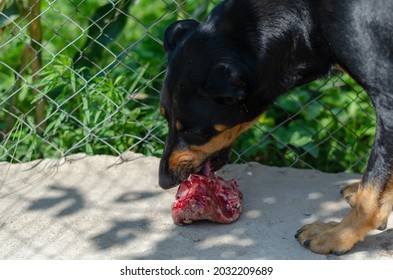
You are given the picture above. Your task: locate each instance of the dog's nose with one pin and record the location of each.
(165, 179)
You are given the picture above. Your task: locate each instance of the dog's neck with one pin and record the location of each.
(283, 36)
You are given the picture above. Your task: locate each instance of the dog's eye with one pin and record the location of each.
(227, 100)
(194, 137)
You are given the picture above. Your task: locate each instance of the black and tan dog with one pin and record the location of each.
(222, 73)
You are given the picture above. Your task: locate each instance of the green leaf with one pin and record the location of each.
(282, 135)
(10, 13)
(106, 24)
(289, 105)
(55, 125)
(312, 149)
(86, 110)
(89, 149)
(300, 138)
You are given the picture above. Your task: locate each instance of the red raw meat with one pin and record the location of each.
(207, 197)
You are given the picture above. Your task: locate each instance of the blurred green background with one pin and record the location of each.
(85, 76)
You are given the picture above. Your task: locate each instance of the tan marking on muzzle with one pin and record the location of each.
(195, 155)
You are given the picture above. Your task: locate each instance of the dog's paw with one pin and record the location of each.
(349, 193)
(325, 238)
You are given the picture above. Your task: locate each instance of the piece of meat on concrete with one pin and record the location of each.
(209, 197)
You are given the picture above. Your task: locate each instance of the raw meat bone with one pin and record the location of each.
(207, 197)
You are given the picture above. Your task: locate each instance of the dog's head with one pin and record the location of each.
(205, 99)
(224, 72)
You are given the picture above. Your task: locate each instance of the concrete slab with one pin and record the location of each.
(103, 207)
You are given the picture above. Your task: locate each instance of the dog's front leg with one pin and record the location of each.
(374, 197)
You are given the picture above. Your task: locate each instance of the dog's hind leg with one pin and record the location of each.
(349, 193)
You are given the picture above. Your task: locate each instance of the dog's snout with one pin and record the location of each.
(165, 179)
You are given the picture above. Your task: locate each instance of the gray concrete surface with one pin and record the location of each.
(101, 207)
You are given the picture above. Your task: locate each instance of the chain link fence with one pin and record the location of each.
(85, 76)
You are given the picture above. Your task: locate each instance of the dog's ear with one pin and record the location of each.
(225, 85)
(176, 31)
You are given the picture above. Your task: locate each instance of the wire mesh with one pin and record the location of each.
(85, 76)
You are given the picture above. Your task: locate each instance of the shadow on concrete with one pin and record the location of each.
(120, 233)
(129, 197)
(89, 211)
(70, 198)
(379, 243)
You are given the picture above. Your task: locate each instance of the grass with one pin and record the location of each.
(103, 98)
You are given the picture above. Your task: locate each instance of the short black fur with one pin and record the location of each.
(224, 71)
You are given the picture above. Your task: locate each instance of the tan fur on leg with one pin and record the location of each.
(349, 193)
(386, 204)
(338, 238)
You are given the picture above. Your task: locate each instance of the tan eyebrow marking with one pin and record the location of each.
(220, 127)
(178, 125)
(162, 111)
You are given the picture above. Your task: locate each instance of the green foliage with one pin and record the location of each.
(94, 118)
(327, 125)
(106, 24)
(9, 12)
(99, 81)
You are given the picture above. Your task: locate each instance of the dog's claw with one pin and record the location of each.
(299, 232)
(338, 253)
(382, 226)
